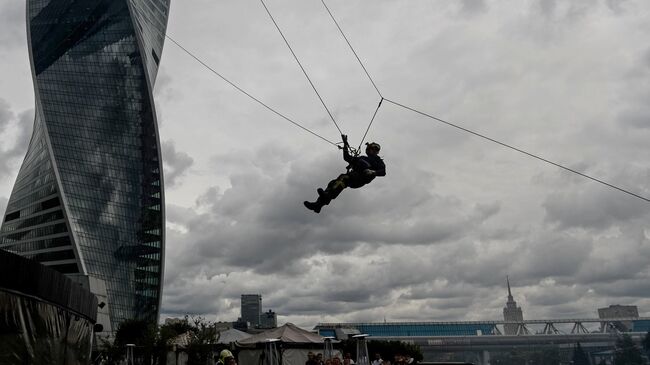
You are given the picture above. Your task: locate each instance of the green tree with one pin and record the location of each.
(170, 330)
(627, 353)
(141, 333)
(204, 338)
(153, 342)
(580, 356)
(166, 333)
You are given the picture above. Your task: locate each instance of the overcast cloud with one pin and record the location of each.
(435, 238)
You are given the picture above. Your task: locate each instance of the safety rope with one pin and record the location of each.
(607, 184)
(301, 67)
(364, 70)
(249, 95)
(519, 150)
(163, 33)
(461, 128)
(353, 51)
(370, 124)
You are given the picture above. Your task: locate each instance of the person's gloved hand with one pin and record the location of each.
(344, 138)
(369, 172)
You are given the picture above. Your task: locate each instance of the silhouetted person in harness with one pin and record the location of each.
(361, 171)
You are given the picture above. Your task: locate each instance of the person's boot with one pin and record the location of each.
(313, 206)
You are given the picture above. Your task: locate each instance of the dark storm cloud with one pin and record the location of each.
(258, 225)
(551, 255)
(555, 10)
(284, 250)
(227, 240)
(618, 6)
(610, 262)
(637, 119)
(635, 113)
(547, 7)
(259, 221)
(176, 163)
(316, 305)
(552, 295)
(589, 205)
(441, 289)
(473, 7)
(626, 288)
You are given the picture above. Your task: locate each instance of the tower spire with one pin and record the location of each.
(510, 298)
(511, 313)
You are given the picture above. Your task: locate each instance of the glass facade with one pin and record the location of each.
(411, 329)
(89, 196)
(641, 326)
(251, 309)
(407, 330)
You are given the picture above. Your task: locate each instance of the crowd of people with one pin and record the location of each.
(398, 359)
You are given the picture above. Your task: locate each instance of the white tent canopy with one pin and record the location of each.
(225, 337)
(289, 334)
(293, 342)
(232, 335)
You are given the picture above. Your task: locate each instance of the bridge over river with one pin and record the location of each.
(476, 340)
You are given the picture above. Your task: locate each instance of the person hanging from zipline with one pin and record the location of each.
(361, 171)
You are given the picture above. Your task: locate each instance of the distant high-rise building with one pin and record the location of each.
(269, 319)
(511, 313)
(88, 201)
(251, 309)
(619, 311)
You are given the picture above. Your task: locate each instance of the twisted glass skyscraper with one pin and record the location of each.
(88, 200)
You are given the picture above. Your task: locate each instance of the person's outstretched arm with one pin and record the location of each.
(346, 149)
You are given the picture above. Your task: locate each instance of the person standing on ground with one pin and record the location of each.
(226, 358)
(377, 360)
(311, 359)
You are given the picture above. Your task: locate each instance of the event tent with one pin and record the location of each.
(291, 342)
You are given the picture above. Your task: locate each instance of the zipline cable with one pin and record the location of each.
(166, 35)
(465, 129)
(370, 124)
(362, 66)
(418, 112)
(248, 94)
(519, 150)
(415, 111)
(353, 51)
(302, 68)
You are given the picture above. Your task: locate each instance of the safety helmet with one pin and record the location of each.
(225, 354)
(373, 145)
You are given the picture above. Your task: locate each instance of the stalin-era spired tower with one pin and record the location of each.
(88, 200)
(511, 312)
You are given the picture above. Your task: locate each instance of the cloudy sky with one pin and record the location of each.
(436, 237)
